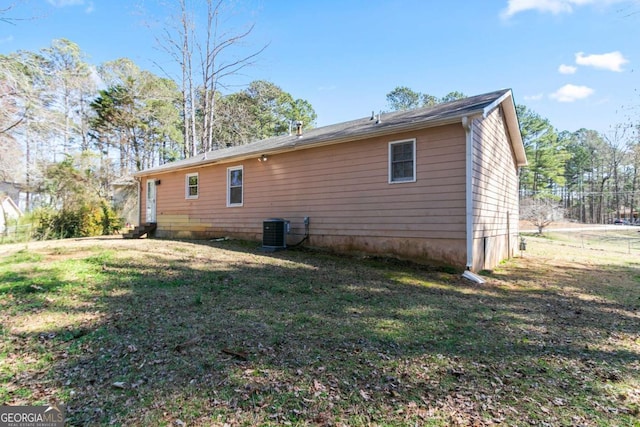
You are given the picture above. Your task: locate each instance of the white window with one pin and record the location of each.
(234, 186)
(191, 182)
(402, 161)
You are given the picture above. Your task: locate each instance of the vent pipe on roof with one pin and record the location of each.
(299, 128)
(373, 115)
(379, 118)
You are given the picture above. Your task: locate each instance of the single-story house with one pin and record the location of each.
(431, 184)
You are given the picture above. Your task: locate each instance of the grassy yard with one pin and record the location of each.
(156, 332)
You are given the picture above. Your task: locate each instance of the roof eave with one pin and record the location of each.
(173, 168)
(387, 130)
(13, 204)
(511, 117)
(516, 137)
(300, 144)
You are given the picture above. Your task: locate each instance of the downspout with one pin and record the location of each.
(467, 124)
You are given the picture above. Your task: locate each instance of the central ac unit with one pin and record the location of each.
(274, 233)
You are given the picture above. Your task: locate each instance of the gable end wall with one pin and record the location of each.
(495, 193)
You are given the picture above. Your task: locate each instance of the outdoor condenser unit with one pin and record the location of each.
(274, 233)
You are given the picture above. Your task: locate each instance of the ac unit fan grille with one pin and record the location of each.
(274, 233)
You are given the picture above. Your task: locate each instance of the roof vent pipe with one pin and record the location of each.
(373, 115)
(379, 118)
(299, 128)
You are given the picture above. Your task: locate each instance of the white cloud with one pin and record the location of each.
(612, 61)
(89, 5)
(64, 3)
(535, 97)
(567, 69)
(550, 6)
(553, 6)
(570, 93)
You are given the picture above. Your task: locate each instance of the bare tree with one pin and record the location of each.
(541, 211)
(13, 81)
(618, 153)
(10, 158)
(72, 87)
(3, 14)
(24, 116)
(186, 33)
(215, 49)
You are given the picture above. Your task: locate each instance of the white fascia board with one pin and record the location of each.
(511, 117)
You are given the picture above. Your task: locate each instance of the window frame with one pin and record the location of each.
(229, 172)
(187, 186)
(413, 148)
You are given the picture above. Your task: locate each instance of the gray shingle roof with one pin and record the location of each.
(393, 122)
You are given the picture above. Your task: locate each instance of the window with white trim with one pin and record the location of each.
(191, 184)
(234, 186)
(402, 161)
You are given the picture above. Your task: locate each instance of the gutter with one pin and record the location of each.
(301, 144)
(467, 124)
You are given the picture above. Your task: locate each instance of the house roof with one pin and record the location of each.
(124, 181)
(7, 202)
(389, 123)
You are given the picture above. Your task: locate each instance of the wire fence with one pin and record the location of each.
(17, 233)
(621, 240)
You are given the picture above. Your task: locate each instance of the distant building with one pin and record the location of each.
(13, 190)
(125, 199)
(9, 212)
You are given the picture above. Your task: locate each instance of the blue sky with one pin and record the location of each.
(574, 62)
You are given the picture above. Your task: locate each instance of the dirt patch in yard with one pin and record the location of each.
(153, 332)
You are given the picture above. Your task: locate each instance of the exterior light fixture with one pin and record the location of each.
(263, 158)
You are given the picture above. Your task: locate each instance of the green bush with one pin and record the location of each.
(84, 220)
(111, 223)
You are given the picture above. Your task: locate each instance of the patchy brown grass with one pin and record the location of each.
(156, 332)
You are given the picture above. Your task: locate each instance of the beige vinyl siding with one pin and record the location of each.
(343, 188)
(495, 192)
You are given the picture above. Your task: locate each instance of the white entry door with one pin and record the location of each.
(151, 200)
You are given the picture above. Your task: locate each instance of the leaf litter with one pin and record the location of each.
(221, 334)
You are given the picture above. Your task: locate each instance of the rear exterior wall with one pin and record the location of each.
(344, 189)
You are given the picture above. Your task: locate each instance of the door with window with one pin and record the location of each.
(151, 200)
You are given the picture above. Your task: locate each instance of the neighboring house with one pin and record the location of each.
(125, 199)
(14, 190)
(9, 212)
(431, 184)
